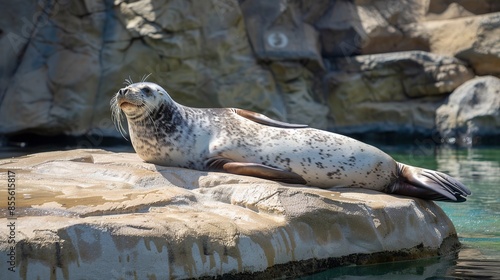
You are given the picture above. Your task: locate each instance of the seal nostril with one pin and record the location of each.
(123, 91)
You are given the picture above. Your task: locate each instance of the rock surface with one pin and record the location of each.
(471, 111)
(391, 92)
(446, 9)
(367, 27)
(63, 60)
(96, 214)
(471, 39)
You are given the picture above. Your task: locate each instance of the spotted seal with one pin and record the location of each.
(242, 142)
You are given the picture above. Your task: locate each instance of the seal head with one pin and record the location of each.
(137, 101)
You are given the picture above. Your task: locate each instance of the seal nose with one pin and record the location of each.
(123, 91)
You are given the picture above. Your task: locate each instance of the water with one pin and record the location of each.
(477, 221)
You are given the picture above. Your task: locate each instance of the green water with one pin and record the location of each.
(477, 220)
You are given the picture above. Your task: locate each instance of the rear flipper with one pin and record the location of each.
(428, 184)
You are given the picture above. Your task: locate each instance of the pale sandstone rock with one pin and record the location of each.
(471, 39)
(95, 214)
(484, 53)
(391, 92)
(453, 10)
(471, 111)
(446, 9)
(366, 27)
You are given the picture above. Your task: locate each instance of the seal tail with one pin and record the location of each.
(428, 184)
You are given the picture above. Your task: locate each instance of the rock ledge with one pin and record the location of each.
(97, 214)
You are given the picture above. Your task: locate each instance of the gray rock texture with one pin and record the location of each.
(92, 214)
(391, 92)
(63, 60)
(366, 27)
(471, 39)
(471, 111)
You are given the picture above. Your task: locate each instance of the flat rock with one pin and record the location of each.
(471, 111)
(96, 214)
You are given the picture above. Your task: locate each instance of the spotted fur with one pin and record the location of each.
(166, 133)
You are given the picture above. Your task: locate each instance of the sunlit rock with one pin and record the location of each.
(96, 214)
(471, 39)
(391, 92)
(472, 111)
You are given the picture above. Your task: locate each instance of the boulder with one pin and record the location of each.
(471, 39)
(446, 9)
(391, 92)
(97, 214)
(349, 28)
(484, 53)
(471, 112)
(278, 30)
(450, 10)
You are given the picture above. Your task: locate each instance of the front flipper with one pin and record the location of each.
(256, 170)
(262, 119)
(263, 171)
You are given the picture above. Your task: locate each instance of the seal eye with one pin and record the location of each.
(146, 90)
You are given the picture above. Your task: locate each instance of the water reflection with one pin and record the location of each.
(468, 264)
(420, 269)
(473, 265)
(472, 165)
(477, 221)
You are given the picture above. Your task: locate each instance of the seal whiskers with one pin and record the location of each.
(116, 116)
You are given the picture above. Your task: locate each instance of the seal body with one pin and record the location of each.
(237, 141)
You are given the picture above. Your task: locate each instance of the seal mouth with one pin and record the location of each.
(129, 104)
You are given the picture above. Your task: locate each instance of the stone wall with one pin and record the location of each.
(348, 66)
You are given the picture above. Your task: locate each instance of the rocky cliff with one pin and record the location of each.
(347, 65)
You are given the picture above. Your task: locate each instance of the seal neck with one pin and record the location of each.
(168, 116)
(166, 112)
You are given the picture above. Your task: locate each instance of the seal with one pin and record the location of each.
(242, 142)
